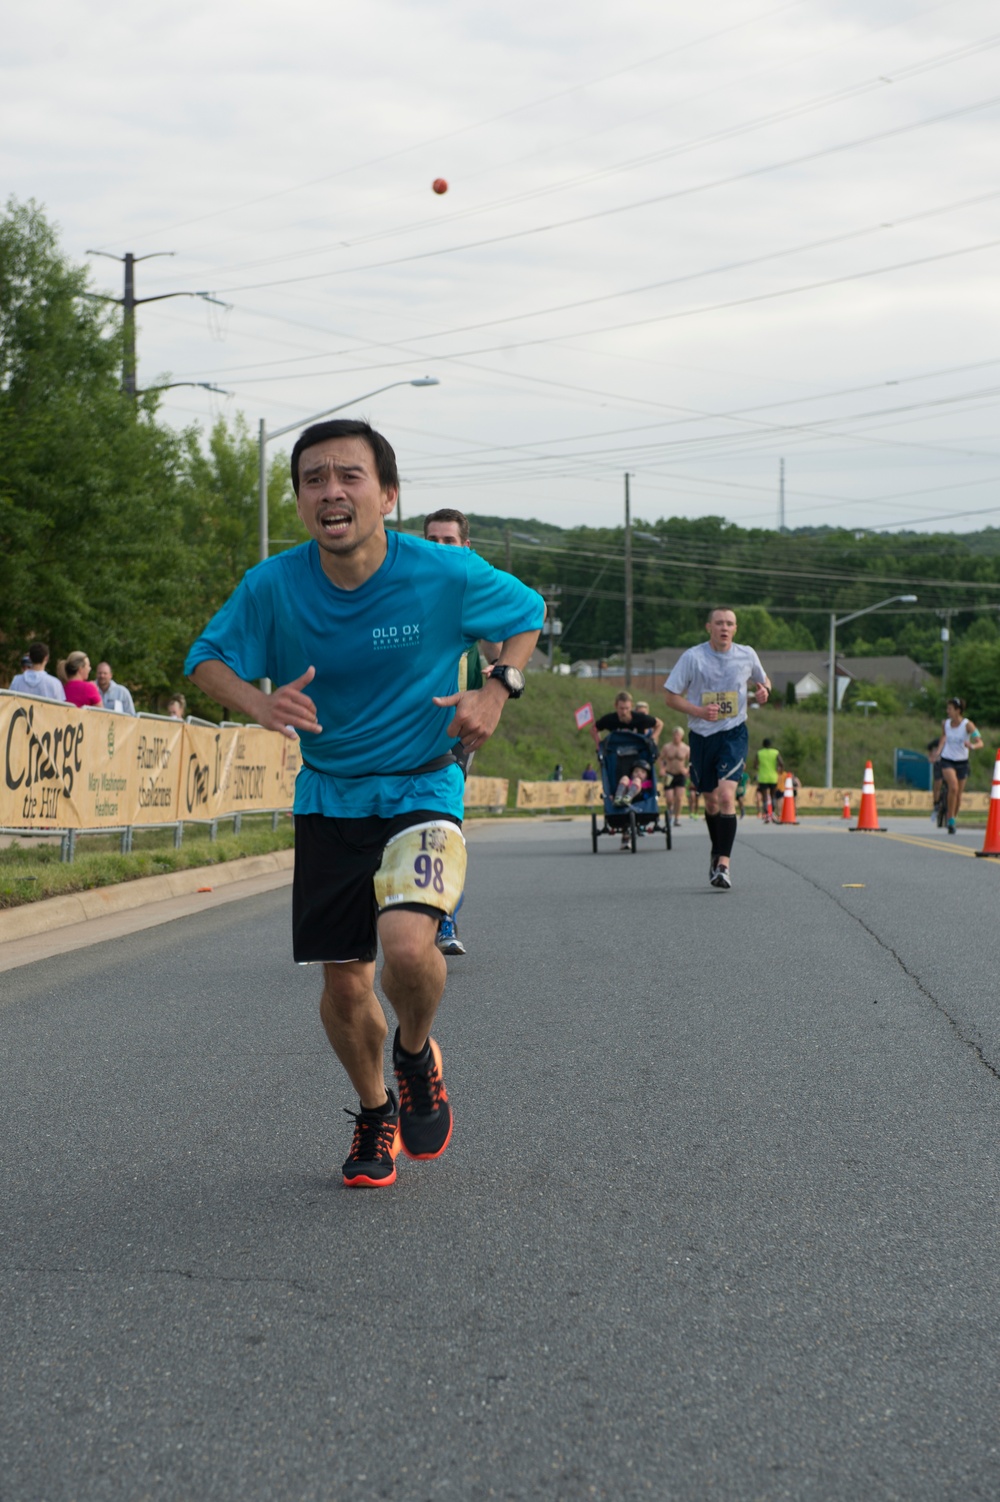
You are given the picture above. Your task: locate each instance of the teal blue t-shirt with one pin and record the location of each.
(382, 653)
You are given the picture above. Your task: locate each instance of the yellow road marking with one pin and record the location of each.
(913, 839)
(908, 839)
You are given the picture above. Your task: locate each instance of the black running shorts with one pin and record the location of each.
(334, 912)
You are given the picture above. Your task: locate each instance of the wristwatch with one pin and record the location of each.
(511, 678)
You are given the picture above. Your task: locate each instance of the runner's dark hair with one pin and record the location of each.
(349, 427)
(449, 514)
(958, 703)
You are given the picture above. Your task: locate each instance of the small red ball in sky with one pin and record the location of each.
(440, 185)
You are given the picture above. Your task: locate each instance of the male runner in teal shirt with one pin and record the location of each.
(361, 628)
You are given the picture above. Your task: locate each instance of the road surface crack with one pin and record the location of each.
(912, 975)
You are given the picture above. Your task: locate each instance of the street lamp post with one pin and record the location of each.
(831, 690)
(265, 436)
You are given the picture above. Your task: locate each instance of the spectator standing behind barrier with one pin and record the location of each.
(113, 695)
(33, 679)
(176, 707)
(588, 774)
(78, 691)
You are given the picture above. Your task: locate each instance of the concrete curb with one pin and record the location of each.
(35, 918)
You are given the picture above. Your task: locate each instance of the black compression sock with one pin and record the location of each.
(725, 833)
(712, 820)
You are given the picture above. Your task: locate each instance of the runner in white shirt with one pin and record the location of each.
(709, 685)
(958, 737)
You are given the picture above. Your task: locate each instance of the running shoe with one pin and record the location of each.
(951, 826)
(447, 937)
(371, 1163)
(722, 879)
(677, 823)
(425, 1120)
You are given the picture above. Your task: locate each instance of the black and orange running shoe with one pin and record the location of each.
(425, 1119)
(371, 1163)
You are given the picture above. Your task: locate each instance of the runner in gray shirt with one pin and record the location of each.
(709, 685)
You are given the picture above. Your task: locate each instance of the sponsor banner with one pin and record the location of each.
(66, 768)
(254, 763)
(47, 753)
(486, 792)
(201, 773)
(559, 795)
(236, 769)
(887, 800)
(159, 757)
(109, 790)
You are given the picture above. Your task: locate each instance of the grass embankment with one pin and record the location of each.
(31, 872)
(538, 731)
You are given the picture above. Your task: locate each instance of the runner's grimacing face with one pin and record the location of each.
(721, 630)
(340, 501)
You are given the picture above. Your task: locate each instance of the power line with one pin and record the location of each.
(576, 220)
(490, 120)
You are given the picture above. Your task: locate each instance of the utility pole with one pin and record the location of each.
(628, 585)
(781, 496)
(552, 593)
(130, 302)
(945, 649)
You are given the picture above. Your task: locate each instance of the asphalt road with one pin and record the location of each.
(719, 1219)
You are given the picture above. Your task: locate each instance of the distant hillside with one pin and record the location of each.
(784, 585)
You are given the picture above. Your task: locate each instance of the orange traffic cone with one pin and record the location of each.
(788, 804)
(847, 806)
(991, 844)
(868, 816)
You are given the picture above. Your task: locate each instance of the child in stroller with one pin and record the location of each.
(633, 785)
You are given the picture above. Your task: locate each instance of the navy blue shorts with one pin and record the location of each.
(960, 768)
(718, 758)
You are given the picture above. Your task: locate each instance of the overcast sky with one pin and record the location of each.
(683, 241)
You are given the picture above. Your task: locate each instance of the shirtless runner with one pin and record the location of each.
(675, 758)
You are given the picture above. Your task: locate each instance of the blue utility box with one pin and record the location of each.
(912, 769)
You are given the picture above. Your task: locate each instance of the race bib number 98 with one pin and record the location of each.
(728, 701)
(424, 864)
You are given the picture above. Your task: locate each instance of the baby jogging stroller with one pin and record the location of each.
(619, 753)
